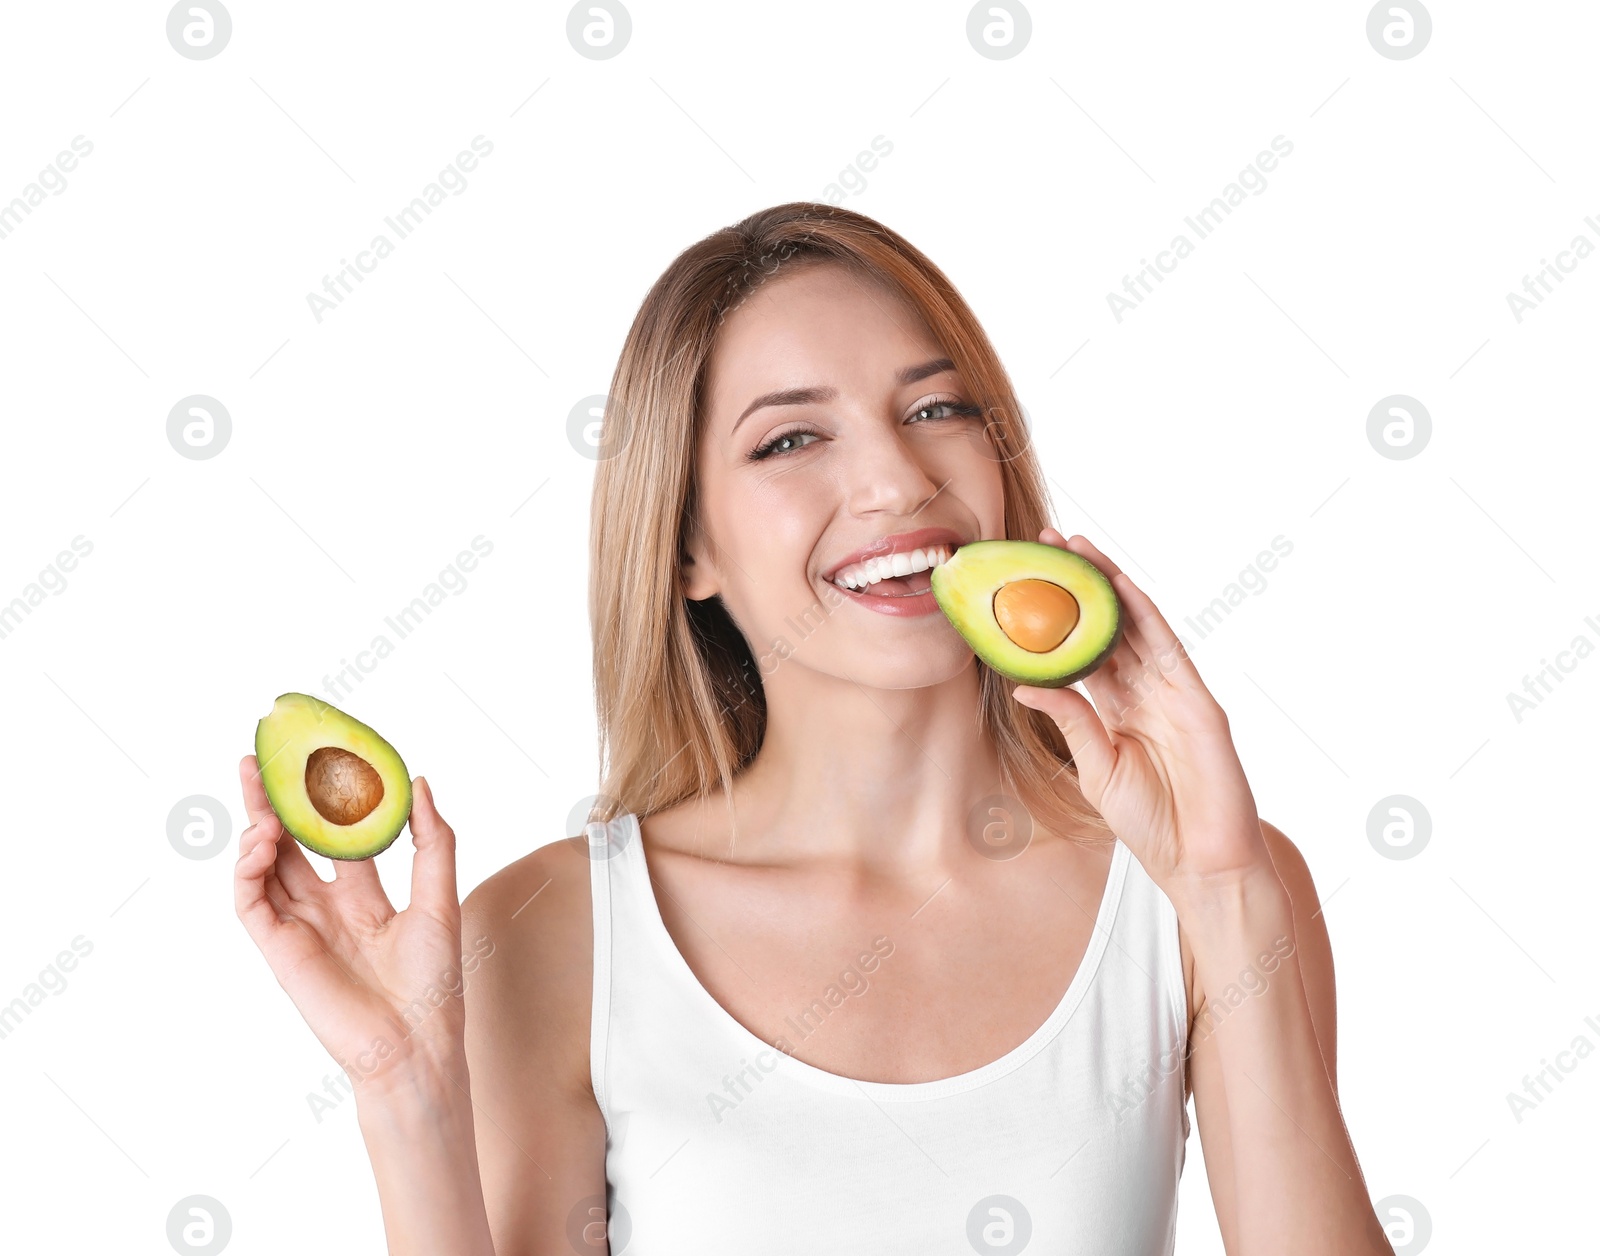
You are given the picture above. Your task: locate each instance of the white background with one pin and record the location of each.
(368, 449)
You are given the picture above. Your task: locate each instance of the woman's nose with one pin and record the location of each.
(887, 475)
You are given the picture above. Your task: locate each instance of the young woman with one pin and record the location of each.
(910, 958)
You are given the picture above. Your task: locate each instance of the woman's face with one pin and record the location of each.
(832, 425)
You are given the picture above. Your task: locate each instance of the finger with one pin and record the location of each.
(300, 880)
(272, 924)
(1166, 654)
(433, 871)
(257, 851)
(1116, 684)
(1085, 548)
(1158, 653)
(255, 796)
(358, 880)
(1151, 648)
(1086, 736)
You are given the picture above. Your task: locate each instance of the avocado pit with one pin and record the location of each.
(1035, 614)
(343, 787)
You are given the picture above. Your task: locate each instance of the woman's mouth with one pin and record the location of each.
(894, 584)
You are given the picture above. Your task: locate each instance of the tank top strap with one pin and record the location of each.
(606, 845)
(1144, 936)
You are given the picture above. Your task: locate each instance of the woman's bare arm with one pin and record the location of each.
(420, 1140)
(1308, 949)
(540, 1135)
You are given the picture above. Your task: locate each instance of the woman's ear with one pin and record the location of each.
(696, 575)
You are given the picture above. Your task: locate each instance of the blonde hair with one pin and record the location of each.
(678, 694)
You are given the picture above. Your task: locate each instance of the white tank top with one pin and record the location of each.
(718, 1144)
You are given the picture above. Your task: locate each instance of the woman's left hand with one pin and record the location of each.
(1154, 754)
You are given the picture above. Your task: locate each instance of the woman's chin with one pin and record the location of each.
(927, 669)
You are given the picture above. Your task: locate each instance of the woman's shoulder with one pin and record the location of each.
(545, 891)
(535, 981)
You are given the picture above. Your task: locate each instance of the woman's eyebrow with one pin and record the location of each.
(913, 374)
(786, 397)
(818, 393)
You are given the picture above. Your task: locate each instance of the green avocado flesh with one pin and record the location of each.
(1037, 592)
(338, 787)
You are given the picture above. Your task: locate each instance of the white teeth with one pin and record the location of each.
(861, 575)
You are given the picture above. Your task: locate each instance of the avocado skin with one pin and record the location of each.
(301, 713)
(1031, 559)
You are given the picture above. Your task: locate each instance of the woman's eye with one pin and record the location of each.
(955, 408)
(781, 444)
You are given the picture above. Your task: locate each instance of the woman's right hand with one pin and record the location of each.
(365, 977)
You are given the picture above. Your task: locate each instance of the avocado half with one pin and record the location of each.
(1035, 613)
(339, 788)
